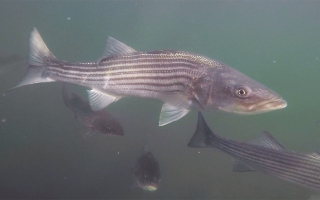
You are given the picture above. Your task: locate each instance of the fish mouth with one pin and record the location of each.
(268, 105)
(256, 108)
(150, 187)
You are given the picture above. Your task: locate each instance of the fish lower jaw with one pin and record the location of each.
(150, 187)
(267, 106)
(261, 107)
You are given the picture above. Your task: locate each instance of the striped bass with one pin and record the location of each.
(264, 154)
(182, 80)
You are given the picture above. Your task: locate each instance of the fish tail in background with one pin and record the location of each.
(202, 135)
(39, 54)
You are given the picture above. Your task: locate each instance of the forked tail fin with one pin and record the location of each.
(38, 56)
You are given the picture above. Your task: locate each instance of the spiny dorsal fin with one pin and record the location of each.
(115, 47)
(266, 140)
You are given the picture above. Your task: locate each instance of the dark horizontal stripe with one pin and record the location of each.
(134, 81)
(121, 64)
(110, 72)
(132, 90)
(155, 73)
(157, 78)
(137, 91)
(143, 80)
(168, 71)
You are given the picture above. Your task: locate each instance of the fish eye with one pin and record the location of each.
(242, 92)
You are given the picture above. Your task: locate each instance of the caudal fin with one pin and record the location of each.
(203, 135)
(38, 56)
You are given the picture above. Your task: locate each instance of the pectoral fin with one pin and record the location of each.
(90, 133)
(170, 113)
(99, 100)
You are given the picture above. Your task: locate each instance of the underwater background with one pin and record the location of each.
(43, 153)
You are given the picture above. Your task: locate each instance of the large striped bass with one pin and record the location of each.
(182, 80)
(264, 154)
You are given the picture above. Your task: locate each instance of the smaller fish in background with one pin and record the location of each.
(96, 121)
(147, 172)
(264, 154)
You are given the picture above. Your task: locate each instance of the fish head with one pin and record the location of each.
(108, 127)
(234, 92)
(149, 182)
(147, 172)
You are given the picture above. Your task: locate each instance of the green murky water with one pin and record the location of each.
(42, 150)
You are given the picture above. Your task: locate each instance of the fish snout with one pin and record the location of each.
(268, 105)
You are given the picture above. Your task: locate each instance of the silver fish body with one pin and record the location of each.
(182, 80)
(264, 154)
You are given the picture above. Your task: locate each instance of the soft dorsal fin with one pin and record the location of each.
(266, 140)
(115, 47)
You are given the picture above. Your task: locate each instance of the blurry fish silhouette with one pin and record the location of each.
(147, 172)
(264, 154)
(96, 121)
